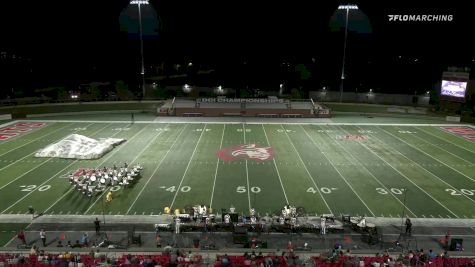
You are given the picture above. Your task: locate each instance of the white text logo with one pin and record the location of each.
(424, 18)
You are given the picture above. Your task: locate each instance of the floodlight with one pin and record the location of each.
(139, 2)
(348, 6)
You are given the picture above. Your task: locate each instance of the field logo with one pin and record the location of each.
(465, 132)
(246, 152)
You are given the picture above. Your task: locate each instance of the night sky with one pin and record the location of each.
(81, 41)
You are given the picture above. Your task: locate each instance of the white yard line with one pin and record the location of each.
(426, 170)
(247, 170)
(15, 236)
(277, 169)
(372, 175)
(59, 173)
(156, 169)
(104, 160)
(466, 176)
(341, 175)
(258, 123)
(407, 178)
(130, 163)
(43, 183)
(32, 169)
(25, 173)
(310, 176)
(441, 148)
(187, 167)
(446, 140)
(34, 140)
(217, 166)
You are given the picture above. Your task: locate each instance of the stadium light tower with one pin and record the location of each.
(346, 7)
(142, 72)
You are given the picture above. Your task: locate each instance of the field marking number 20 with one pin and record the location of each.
(32, 187)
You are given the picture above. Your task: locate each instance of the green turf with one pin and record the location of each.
(429, 170)
(9, 231)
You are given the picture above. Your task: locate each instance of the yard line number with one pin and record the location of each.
(365, 131)
(241, 130)
(406, 132)
(201, 130)
(121, 129)
(32, 187)
(183, 189)
(162, 129)
(324, 190)
(254, 189)
(396, 191)
(467, 192)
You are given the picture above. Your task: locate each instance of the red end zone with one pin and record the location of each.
(19, 128)
(465, 132)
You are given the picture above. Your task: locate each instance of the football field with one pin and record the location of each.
(425, 171)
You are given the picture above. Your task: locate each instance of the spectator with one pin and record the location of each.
(34, 250)
(60, 244)
(225, 262)
(97, 225)
(31, 210)
(76, 245)
(84, 240)
(43, 237)
(158, 241)
(408, 226)
(431, 255)
(22, 238)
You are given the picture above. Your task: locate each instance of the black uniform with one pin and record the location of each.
(97, 225)
(408, 226)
